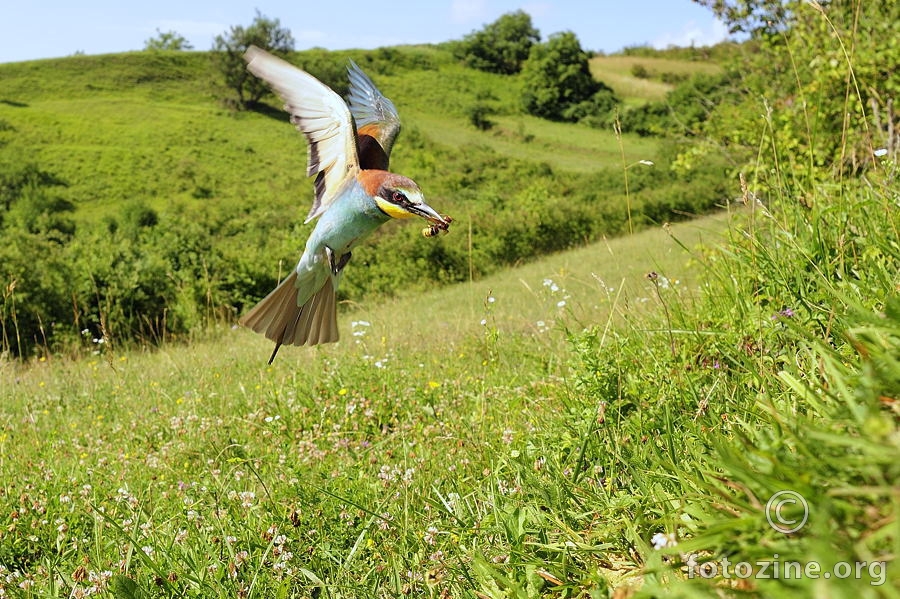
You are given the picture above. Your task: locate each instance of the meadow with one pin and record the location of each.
(596, 423)
(140, 156)
(608, 417)
(619, 73)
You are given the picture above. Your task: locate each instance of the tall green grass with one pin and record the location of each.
(784, 376)
(450, 444)
(387, 462)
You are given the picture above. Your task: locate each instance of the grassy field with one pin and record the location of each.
(599, 423)
(348, 466)
(564, 146)
(140, 156)
(618, 73)
(116, 118)
(131, 118)
(614, 421)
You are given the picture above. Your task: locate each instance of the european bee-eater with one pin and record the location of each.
(349, 150)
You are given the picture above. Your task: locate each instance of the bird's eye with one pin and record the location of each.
(398, 197)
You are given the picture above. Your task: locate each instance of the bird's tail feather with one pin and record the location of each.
(279, 318)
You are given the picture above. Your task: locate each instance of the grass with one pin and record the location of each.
(562, 146)
(168, 142)
(607, 422)
(573, 427)
(205, 457)
(617, 72)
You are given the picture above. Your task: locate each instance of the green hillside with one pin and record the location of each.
(660, 74)
(152, 125)
(140, 156)
(543, 403)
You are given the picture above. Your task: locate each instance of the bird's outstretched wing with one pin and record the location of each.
(377, 121)
(321, 115)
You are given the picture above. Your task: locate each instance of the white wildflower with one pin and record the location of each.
(662, 541)
(431, 535)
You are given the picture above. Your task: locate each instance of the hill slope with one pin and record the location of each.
(151, 126)
(155, 208)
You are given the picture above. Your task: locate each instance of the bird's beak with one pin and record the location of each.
(429, 214)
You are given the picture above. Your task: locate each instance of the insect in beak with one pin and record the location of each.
(438, 227)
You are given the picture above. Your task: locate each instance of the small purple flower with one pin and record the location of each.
(786, 313)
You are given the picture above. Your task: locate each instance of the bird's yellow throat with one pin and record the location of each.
(392, 210)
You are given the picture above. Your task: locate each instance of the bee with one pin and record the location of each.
(437, 228)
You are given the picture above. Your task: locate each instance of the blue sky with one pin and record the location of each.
(30, 30)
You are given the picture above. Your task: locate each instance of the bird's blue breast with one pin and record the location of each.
(351, 218)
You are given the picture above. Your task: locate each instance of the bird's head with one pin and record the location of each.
(400, 197)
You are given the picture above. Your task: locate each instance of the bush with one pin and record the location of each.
(557, 81)
(478, 117)
(228, 55)
(685, 108)
(168, 41)
(597, 111)
(640, 71)
(502, 46)
(802, 77)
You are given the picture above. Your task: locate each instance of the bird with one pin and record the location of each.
(349, 147)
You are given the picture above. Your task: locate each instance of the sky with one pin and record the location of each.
(53, 28)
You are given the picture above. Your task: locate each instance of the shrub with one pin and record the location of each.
(228, 55)
(478, 116)
(502, 46)
(640, 71)
(558, 82)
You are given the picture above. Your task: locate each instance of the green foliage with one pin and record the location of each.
(606, 422)
(640, 71)
(718, 53)
(15, 182)
(684, 109)
(190, 213)
(502, 46)
(672, 78)
(750, 16)
(228, 55)
(478, 116)
(557, 82)
(167, 40)
(782, 377)
(824, 84)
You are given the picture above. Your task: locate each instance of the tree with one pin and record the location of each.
(557, 82)
(749, 16)
(167, 40)
(502, 46)
(228, 54)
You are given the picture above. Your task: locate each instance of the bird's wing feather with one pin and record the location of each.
(375, 115)
(321, 115)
